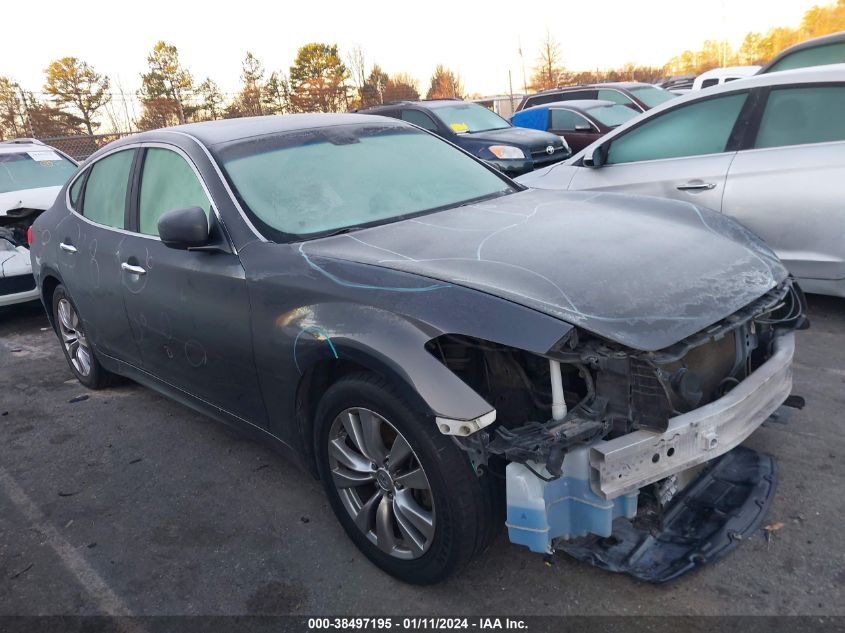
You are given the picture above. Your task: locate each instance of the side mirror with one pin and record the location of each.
(583, 127)
(598, 157)
(184, 228)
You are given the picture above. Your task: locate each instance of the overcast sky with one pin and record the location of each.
(479, 39)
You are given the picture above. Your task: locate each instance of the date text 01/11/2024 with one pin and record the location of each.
(416, 623)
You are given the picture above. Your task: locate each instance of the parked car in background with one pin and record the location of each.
(768, 150)
(718, 76)
(579, 123)
(480, 132)
(31, 174)
(678, 84)
(820, 51)
(638, 96)
(421, 331)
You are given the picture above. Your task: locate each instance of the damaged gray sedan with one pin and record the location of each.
(445, 349)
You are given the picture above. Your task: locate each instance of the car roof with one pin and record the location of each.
(419, 103)
(746, 71)
(19, 145)
(225, 130)
(812, 74)
(578, 104)
(609, 84)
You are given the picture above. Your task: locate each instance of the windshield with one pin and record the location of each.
(30, 170)
(315, 182)
(469, 117)
(651, 95)
(611, 115)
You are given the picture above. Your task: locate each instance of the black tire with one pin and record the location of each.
(97, 377)
(466, 506)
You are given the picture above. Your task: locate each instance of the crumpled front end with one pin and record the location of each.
(630, 459)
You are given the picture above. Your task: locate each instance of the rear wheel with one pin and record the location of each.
(75, 344)
(405, 494)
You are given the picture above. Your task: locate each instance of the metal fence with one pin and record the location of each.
(82, 146)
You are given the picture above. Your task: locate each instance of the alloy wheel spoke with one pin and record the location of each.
(373, 446)
(385, 538)
(399, 452)
(84, 359)
(412, 479)
(64, 315)
(348, 456)
(420, 518)
(352, 426)
(366, 515)
(413, 539)
(346, 478)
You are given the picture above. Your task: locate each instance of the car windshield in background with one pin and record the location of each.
(651, 95)
(31, 170)
(611, 115)
(469, 117)
(317, 182)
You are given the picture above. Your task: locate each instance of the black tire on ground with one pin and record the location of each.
(467, 507)
(97, 377)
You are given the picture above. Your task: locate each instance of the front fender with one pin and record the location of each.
(306, 312)
(394, 347)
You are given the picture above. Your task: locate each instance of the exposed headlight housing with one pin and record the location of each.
(506, 151)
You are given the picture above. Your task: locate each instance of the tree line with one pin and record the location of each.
(758, 48)
(76, 99)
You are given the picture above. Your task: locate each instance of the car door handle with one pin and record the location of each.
(694, 185)
(70, 248)
(135, 270)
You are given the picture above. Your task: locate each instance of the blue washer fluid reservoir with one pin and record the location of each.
(540, 511)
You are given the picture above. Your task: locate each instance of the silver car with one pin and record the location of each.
(768, 151)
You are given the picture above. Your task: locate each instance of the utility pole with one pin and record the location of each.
(510, 87)
(125, 106)
(26, 112)
(522, 59)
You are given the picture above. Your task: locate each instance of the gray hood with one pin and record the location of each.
(41, 198)
(644, 272)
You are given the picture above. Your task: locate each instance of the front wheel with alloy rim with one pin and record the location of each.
(75, 343)
(405, 494)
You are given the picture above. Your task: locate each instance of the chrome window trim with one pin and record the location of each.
(141, 145)
(223, 181)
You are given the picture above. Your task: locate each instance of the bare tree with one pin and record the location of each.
(549, 70)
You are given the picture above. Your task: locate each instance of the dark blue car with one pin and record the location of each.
(482, 133)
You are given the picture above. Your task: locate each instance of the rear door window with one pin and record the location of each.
(798, 116)
(104, 201)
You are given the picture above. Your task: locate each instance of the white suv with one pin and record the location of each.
(31, 175)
